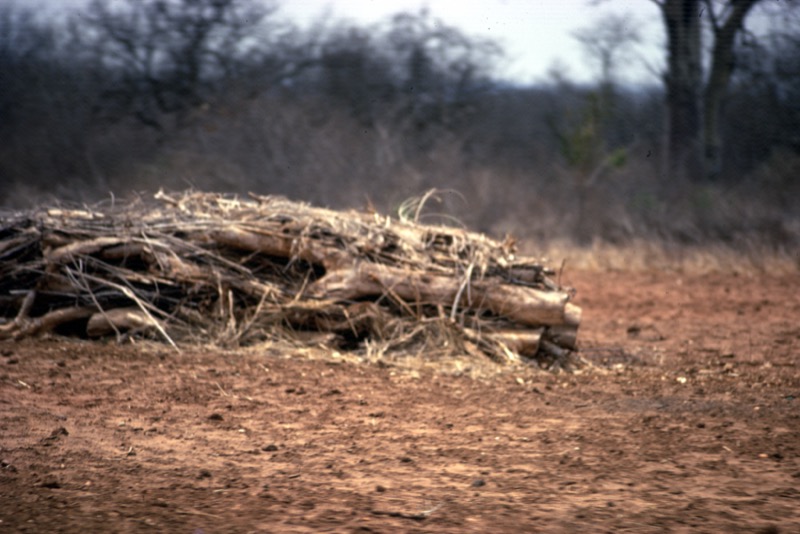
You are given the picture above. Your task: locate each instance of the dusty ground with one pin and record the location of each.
(690, 422)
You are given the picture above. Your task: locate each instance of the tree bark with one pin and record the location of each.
(684, 82)
(722, 64)
(525, 305)
(694, 143)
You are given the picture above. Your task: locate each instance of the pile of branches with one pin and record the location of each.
(201, 267)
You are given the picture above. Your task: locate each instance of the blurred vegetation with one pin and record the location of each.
(226, 95)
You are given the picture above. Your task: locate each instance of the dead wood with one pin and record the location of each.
(118, 320)
(528, 306)
(44, 324)
(212, 268)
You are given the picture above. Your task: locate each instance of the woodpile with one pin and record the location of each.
(208, 268)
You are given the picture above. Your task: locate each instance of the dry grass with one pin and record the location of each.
(644, 255)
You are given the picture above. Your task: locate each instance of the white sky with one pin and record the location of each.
(536, 35)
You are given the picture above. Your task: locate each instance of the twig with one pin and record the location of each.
(464, 284)
(249, 323)
(88, 290)
(25, 308)
(142, 306)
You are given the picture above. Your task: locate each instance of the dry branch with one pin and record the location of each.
(528, 306)
(117, 320)
(209, 267)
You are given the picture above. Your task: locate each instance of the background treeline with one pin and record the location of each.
(227, 95)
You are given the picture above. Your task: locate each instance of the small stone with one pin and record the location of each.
(380, 489)
(215, 417)
(269, 448)
(204, 473)
(478, 483)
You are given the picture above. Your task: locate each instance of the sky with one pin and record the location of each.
(536, 35)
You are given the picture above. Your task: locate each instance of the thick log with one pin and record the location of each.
(124, 251)
(79, 248)
(284, 246)
(118, 320)
(525, 305)
(564, 335)
(522, 342)
(572, 314)
(44, 324)
(173, 266)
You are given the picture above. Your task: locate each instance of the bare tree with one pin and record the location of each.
(410, 71)
(441, 70)
(763, 110)
(26, 45)
(45, 104)
(693, 104)
(168, 56)
(609, 42)
(355, 73)
(725, 26)
(610, 45)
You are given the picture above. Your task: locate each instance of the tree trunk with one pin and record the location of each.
(722, 63)
(684, 82)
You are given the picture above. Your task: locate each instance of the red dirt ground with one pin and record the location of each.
(689, 422)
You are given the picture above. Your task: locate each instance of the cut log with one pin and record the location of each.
(118, 320)
(44, 324)
(522, 342)
(285, 246)
(82, 248)
(565, 335)
(526, 305)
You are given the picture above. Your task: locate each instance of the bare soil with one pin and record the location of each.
(689, 421)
